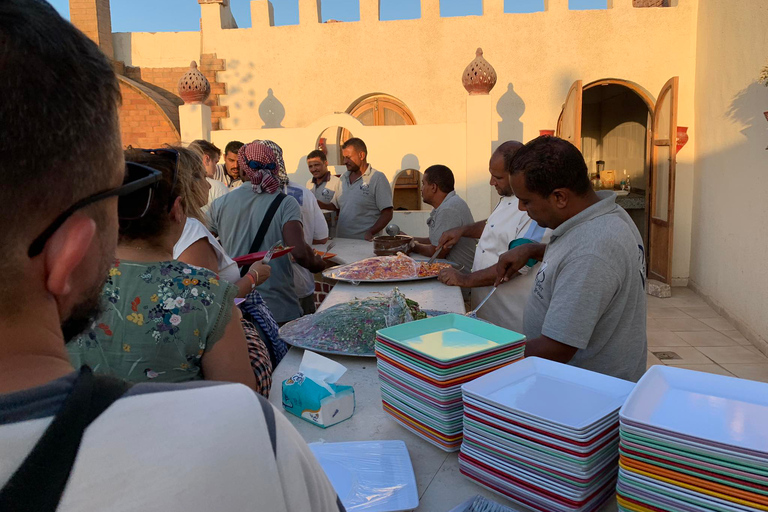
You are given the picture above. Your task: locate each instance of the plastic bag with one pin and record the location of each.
(350, 328)
(379, 268)
(369, 475)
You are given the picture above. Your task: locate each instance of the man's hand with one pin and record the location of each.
(451, 277)
(369, 236)
(515, 259)
(451, 237)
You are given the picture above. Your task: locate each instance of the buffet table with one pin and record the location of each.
(440, 484)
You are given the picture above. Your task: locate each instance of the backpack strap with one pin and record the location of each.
(40, 481)
(262, 232)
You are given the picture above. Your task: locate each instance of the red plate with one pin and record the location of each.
(250, 259)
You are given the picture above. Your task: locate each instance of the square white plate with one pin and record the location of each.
(370, 476)
(564, 395)
(714, 408)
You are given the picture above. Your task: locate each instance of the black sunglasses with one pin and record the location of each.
(134, 198)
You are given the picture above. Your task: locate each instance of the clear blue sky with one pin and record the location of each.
(181, 15)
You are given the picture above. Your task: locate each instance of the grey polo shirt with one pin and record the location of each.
(325, 190)
(360, 203)
(589, 292)
(236, 218)
(452, 213)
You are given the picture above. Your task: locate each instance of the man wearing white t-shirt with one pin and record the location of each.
(506, 225)
(315, 232)
(153, 447)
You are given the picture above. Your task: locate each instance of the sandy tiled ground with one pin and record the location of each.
(703, 340)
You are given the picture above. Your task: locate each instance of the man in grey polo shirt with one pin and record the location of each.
(450, 211)
(365, 198)
(588, 305)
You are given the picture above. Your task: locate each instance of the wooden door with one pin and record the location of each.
(569, 124)
(662, 183)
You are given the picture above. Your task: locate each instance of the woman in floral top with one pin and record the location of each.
(163, 320)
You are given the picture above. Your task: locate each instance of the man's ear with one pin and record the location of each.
(561, 197)
(65, 251)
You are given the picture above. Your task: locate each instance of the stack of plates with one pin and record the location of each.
(423, 364)
(694, 441)
(544, 434)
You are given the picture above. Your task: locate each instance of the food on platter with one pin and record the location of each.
(431, 269)
(386, 268)
(350, 328)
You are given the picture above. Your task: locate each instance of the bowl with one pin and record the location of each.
(391, 245)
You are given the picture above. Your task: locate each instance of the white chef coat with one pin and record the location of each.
(505, 224)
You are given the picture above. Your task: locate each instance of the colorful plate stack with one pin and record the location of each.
(544, 434)
(423, 364)
(694, 441)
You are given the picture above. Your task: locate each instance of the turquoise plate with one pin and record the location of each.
(450, 337)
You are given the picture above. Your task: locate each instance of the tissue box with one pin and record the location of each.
(308, 400)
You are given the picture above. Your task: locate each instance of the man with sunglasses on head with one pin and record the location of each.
(146, 447)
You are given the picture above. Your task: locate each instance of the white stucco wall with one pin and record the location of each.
(730, 239)
(157, 49)
(315, 69)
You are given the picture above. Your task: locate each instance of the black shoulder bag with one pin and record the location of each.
(262, 232)
(40, 481)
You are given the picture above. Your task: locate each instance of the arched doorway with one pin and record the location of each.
(617, 122)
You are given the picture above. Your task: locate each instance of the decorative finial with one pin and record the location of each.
(194, 88)
(479, 76)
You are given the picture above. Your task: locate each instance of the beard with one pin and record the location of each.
(83, 315)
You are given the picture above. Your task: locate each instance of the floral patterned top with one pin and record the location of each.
(158, 321)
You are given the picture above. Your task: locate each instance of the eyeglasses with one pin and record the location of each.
(134, 198)
(171, 154)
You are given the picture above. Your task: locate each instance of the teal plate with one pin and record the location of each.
(450, 337)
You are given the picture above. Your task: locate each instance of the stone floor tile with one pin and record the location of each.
(706, 339)
(652, 360)
(738, 337)
(703, 311)
(665, 339)
(718, 323)
(708, 368)
(681, 324)
(666, 313)
(688, 355)
(725, 355)
(758, 372)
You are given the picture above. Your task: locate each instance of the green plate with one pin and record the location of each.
(456, 371)
(450, 337)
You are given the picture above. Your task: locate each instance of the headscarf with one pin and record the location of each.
(259, 163)
(282, 174)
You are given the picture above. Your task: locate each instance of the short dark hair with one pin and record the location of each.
(207, 148)
(233, 147)
(549, 163)
(59, 123)
(356, 143)
(441, 176)
(157, 219)
(317, 154)
(508, 150)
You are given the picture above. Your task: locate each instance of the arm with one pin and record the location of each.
(547, 348)
(293, 235)
(327, 206)
(513, 260)
(425, 248)
(452, 236)
(384, 219)
(228, 360)
(202, 254)
(484, 277)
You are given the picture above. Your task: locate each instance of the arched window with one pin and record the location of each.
(381, 110)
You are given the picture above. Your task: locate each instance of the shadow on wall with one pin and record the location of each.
(301, 173)
(243, 80)
(271, 111)
(510, 108)
(746, 109)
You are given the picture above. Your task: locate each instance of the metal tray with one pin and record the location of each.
(329, 274)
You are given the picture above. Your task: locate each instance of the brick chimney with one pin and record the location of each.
(93, 17)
